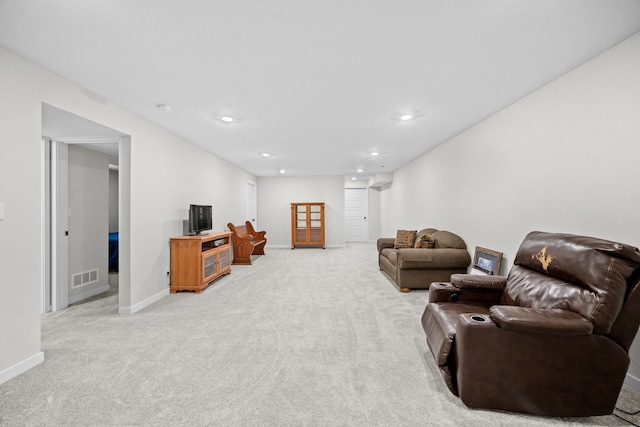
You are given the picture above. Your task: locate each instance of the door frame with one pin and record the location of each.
(365, 208)
(252, 203)
(54, 217)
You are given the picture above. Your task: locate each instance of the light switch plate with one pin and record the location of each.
(1, 211)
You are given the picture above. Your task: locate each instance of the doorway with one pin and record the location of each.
(78, 158)
(252, 203)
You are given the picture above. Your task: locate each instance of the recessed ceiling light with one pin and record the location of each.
(359, 170)
(373, 153)
(265, 154)
(353, 178)
(163, 107)
(406, 117)
(281, 171)
(227, 119)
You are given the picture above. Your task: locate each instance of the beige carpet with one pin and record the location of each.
(308, 337)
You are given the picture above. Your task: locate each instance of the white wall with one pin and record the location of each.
(168, 174)
(20, 267)
(275, 195)
(563, 159)
(160, 174)
(88, 209)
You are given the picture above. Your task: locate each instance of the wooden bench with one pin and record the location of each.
(246, 242)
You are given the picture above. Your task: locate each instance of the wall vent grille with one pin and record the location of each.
(84, 278)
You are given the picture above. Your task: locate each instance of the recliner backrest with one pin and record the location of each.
(585, 275)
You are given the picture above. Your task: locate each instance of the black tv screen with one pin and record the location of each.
(200, 218)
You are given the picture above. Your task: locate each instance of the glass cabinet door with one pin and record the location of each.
(301, 216)
(210, 265)
(224, 258)
(315, 223)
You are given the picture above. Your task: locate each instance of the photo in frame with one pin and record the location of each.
(486, 262)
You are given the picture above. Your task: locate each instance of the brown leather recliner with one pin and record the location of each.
(552, 338)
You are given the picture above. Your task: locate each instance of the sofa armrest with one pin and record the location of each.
(474, 281)
(446, 292)
(385, 242)
(432, 259)
(540, 321)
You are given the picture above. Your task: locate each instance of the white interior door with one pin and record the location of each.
(55, 226)
(252, 202)
(356, 213)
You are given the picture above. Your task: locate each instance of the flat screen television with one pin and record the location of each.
(200, 218)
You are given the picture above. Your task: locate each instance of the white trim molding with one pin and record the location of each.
(143, 304)
(88, 294)
(21, 367)
(632, 382)
(276, 246)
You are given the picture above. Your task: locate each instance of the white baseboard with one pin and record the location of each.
(301, 247)
(21, 367)
(88, 294)
(632, 382)
(143, 304)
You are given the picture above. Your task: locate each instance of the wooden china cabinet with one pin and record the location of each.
(307, 224)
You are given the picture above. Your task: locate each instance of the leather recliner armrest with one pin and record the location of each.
(540, 321)
(446, 292)
(441, 291)
(474, 281)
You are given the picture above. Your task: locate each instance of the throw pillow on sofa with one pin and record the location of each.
(426, 241)
(405, 239)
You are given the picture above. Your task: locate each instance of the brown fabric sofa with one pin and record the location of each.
(552, 338)
(416, 268)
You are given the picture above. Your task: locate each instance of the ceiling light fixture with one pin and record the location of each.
(227, 119)
(265, 154)
(406, 117)
(281, 171)
(360, 170)
(163, 107)
(373, 153)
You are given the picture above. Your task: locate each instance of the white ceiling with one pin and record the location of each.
(318, 84)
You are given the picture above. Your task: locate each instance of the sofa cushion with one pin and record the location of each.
(446, 239)
(405, 239)
(425, 241)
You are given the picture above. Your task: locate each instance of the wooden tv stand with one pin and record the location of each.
(196, 261)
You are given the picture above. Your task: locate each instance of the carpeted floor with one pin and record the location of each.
(304, 337)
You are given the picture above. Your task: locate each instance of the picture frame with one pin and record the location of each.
(486, 261)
